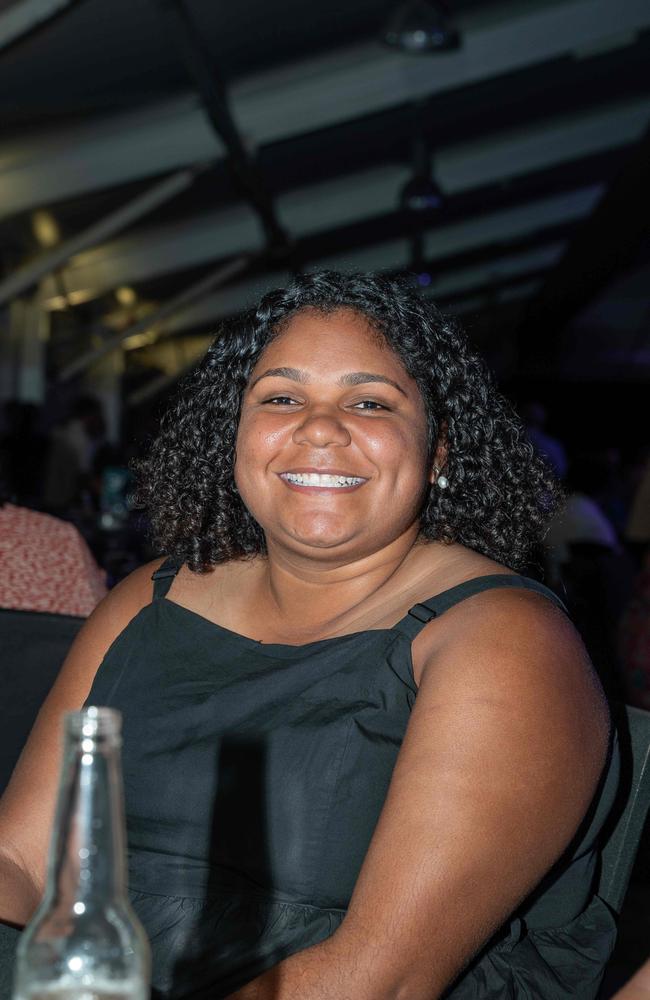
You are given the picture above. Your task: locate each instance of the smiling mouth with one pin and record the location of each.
(321, 480)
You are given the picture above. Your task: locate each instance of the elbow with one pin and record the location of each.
(19, 894)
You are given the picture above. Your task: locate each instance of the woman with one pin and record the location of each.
(362, 758)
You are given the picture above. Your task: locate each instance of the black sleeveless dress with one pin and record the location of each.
(254, 777)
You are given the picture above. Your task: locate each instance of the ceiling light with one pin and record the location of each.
(126, 296)
(421, 26)
(80, 295)
(421, 193)
(56, 304)
(138, 340)
(45, 228)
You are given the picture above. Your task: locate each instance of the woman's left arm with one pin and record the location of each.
(502, 755)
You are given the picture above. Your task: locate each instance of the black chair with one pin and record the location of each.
(598, 584)
(8, 942)
(624, 829)
(34, 645)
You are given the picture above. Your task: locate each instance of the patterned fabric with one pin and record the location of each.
(45, 565)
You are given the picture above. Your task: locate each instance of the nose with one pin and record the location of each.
(321, 428)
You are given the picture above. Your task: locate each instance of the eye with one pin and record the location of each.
(369, 404)
(280, 401)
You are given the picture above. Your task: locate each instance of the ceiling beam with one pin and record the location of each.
(515, 270)
(351, 199)
(479, 299)
(195, 292)
(608, 240)
(391, 256)
(303, 97)
(30, 274)
(23, 17)
(446, 241)
(462, 239)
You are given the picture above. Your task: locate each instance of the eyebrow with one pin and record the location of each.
(351, 378)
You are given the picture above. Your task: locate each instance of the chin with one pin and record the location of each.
(321, 541)
(320, 536)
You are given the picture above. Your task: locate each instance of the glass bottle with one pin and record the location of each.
(84, 942)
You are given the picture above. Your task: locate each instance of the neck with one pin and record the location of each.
(305, 594)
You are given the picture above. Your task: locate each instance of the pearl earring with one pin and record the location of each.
(440, 480)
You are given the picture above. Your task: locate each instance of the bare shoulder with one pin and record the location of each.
(130, 595)
(108, 620)
(506, 646)
(519, 651)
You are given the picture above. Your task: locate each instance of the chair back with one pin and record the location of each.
(33, 646)
(624, 829)
(8, 944)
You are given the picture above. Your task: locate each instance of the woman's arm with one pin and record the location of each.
(27, 805)
(501, 758)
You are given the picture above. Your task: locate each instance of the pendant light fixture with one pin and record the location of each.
(420, 196)
(421, 26)
(421, 193)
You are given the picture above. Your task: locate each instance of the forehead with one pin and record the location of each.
(341, 338)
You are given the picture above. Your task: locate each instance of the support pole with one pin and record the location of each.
(29, 275)
(103, 380)
(200, 66)
(219, 277)
(22, 349)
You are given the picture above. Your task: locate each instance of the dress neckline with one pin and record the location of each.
(408, 626)
(258, 644)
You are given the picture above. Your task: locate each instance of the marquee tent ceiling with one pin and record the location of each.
(529, 123)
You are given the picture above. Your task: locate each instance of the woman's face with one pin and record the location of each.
(332, 440)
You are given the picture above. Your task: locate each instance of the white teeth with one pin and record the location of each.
(320, 479)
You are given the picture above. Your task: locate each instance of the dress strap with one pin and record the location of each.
(164, 577)
(420, 614)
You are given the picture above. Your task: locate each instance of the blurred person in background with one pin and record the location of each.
(587, 562)
(23, 452)
(73, 448)
(582, 518)
(45, 565)
(534, 416)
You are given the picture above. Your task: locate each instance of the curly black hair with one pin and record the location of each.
(500, 494)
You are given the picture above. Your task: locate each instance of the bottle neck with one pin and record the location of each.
(87, 854)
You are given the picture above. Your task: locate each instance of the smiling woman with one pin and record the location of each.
(500, 496)
(362, 756)
(311, 436)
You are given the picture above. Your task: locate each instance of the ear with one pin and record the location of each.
(440, 455)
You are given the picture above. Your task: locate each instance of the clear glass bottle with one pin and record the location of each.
(84, 942)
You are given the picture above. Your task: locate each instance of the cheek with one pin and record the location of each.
(405, 447)
(257, 442)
